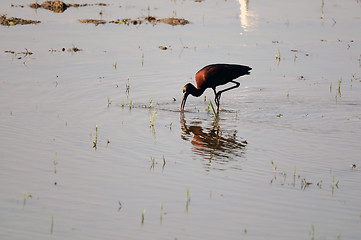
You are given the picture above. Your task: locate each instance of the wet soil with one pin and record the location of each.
(15, 21)
(94, 21)
(60, 6)
(138, 21)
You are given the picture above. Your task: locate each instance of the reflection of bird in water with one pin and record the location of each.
(211, 143)
(212, 76)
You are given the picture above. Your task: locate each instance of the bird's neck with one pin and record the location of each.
(197, 91)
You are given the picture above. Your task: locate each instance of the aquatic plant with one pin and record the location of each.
(26, 196)
(294, 176)
(52, 224)
(188, 199)
(161, 213)
(143, 215)
(95, 142)
(163, 162)
(312, 232)
(152, 162)
(109, 101)
(214, 111)
(305, 183)
(278, 56)
(152, 118)
(127, 87)
(55, 162)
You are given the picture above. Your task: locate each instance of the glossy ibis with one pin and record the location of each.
(212, 76)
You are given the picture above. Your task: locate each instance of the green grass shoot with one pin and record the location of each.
(339, 86)
(161, 213)
(55, 162)
(214, 111)
(208, 108)
(95, 142)
(152, 162)
(143, 216)
(152, 118)
(163, 162)
(188, 199)
(109, 101)
(52, 224)
(127, 87)
(312, 232)
(278, 56)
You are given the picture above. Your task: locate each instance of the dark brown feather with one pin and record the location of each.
(218, 74)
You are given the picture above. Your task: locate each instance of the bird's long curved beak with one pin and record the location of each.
(184, 99)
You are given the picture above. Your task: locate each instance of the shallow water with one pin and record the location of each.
(188, 181)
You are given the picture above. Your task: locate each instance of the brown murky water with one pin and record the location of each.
(285, 166)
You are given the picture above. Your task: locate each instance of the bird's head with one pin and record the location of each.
(187, 89)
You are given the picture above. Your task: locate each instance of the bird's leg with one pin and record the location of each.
(216, 99)
(235, 86)
(218, 94)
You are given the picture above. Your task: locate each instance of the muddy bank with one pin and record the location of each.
(60, 6)
(15, 21)
(138, 21)
(94, 21)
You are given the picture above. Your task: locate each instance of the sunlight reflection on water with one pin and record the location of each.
(247, 18)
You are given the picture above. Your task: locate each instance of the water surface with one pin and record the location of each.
(276, 165)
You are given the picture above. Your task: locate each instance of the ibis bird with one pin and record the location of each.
(212, 76)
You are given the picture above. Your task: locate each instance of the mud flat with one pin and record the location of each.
(60, 6)
(15, 21)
